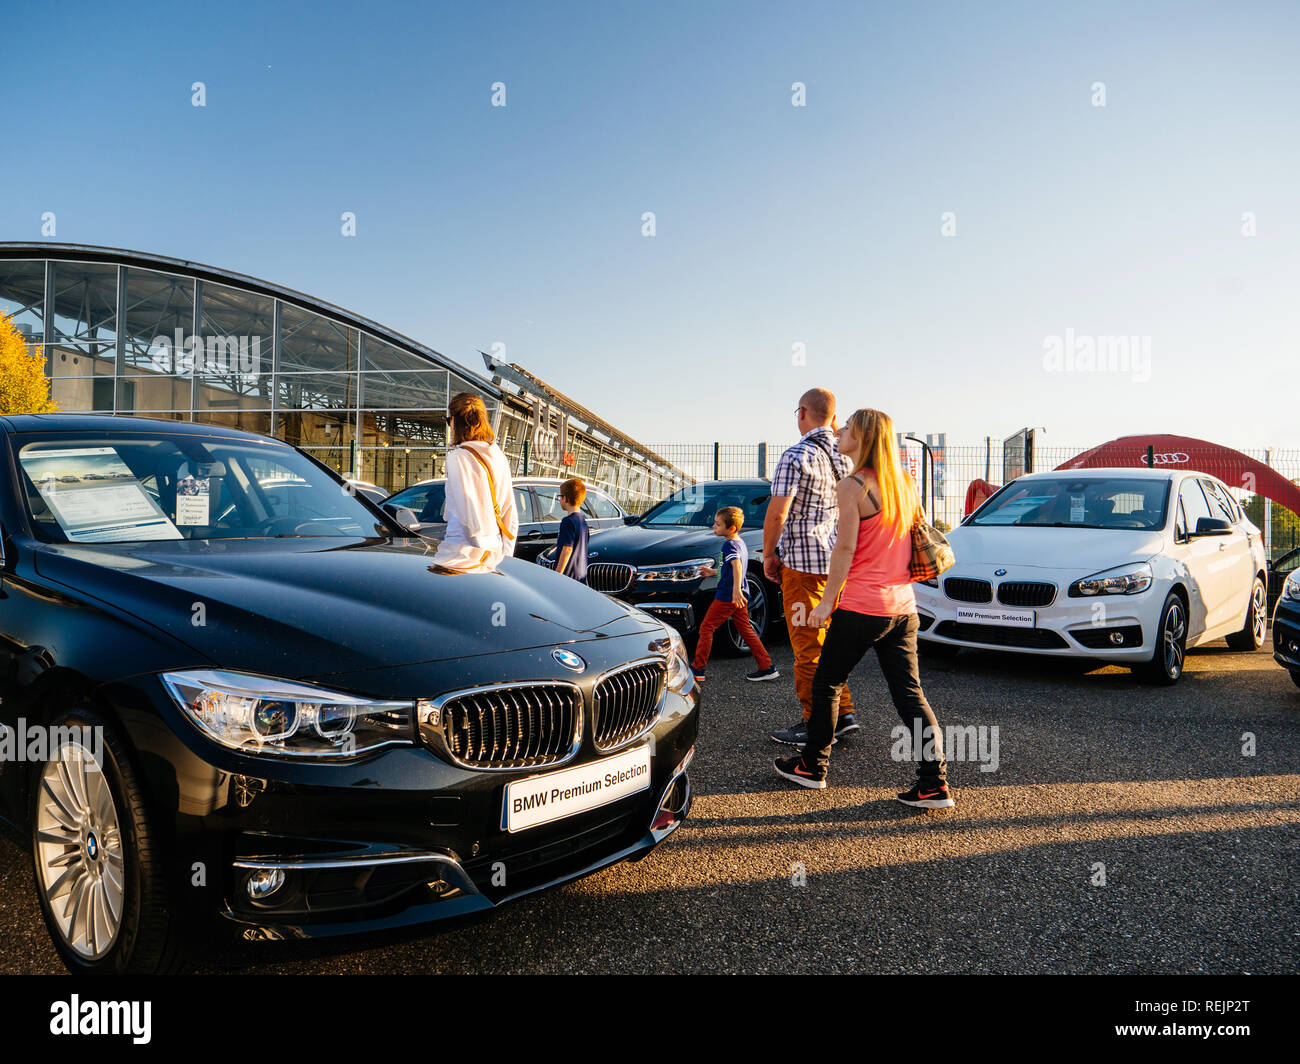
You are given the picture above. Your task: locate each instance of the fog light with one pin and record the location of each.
(1117, 639)
(1293, 647)
(264, 882)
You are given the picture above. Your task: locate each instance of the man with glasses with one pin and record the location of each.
(798, 535)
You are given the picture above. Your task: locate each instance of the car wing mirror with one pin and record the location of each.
(404, 517)
(1212, 526)
(631, 519)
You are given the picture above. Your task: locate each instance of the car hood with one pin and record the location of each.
(299, 608)
(1092, 549)
(641, 545)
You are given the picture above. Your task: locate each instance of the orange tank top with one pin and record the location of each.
(879, 581)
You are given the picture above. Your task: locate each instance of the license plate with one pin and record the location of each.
(567, 792)
(1006, 618)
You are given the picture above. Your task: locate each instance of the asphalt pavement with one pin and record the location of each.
(1120, 828)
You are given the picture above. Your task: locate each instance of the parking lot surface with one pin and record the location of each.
(1126, 829)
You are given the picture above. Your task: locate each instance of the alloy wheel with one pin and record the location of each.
(1259, 604)
(79, 854)
(757, 595)
(1174, 633)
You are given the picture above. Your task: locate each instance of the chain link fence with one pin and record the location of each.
(956, 468)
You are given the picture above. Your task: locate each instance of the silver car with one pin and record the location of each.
(537, 501)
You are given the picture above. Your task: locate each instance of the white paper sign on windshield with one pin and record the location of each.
(192, 501)
(94, 496)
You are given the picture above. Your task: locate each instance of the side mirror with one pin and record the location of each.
(1212, 526)
(404, 517)
(631, 519)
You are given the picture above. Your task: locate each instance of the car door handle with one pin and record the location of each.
(533, 534)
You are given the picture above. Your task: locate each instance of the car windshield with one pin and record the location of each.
(1077, 502)
(695, 505)
(129, 487)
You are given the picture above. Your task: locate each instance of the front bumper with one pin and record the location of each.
(401, 837)
(1122, 630)
(1286, 634)
(380, 889)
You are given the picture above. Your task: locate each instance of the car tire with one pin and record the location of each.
(1170, 652)
(1295, 677)
(761, 602)
(80, 879)
(1255, 630)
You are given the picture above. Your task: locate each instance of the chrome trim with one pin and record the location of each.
(658, 704)
(596, 570)
(293, 864)
(439, 730)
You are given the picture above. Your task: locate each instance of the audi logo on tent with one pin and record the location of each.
(1177, 458)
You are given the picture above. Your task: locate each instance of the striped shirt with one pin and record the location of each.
(804, 472)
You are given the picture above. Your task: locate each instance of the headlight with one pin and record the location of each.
(1291, 589)
(1127, 580)
(680, 572)
(547, 558)
(680, 675)
(279, 718)
(932, 582)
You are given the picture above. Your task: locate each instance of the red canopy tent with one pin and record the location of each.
(1235, 469)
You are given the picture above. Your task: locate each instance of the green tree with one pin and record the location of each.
(24, 388)
(1286, 525)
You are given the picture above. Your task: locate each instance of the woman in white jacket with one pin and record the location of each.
(482, 524)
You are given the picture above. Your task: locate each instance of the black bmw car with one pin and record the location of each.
(1286, 626)
(654, 561)
(227, 704)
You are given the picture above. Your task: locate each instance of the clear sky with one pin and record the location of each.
(775, 225)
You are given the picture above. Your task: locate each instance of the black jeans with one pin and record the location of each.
(850, 636)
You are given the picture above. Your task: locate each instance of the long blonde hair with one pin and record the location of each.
(878, 452)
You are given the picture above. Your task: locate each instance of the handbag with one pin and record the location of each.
(931, 552)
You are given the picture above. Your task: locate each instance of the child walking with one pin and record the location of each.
(571, 541)
(729, 602)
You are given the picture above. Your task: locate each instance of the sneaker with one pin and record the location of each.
(847, 723)
(699, 675)
(795, 735)
(769, 673)
(928, 796)
(793, 769)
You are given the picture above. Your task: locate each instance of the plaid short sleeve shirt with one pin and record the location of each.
(804, 472)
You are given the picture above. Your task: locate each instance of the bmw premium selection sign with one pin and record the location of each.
(1009, 618)
(555, 795)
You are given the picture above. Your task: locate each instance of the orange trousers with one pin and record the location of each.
(801, 593)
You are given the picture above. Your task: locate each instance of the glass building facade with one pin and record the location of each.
(128, 333)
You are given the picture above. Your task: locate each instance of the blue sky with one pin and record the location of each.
(775, 225)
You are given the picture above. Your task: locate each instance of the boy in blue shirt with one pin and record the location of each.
(729, 601)
(571, 542)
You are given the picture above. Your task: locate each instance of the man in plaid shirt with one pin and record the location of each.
(798, 535)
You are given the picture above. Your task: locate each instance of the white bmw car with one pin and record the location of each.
(1131, 566)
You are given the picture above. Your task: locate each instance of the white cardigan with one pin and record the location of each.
(473, 540)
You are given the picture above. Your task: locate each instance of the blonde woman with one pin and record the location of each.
(482, 524)
(877, 609)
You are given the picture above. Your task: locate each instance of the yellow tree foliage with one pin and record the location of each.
(24, 388)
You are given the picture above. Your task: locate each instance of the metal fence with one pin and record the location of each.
(956, 467)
